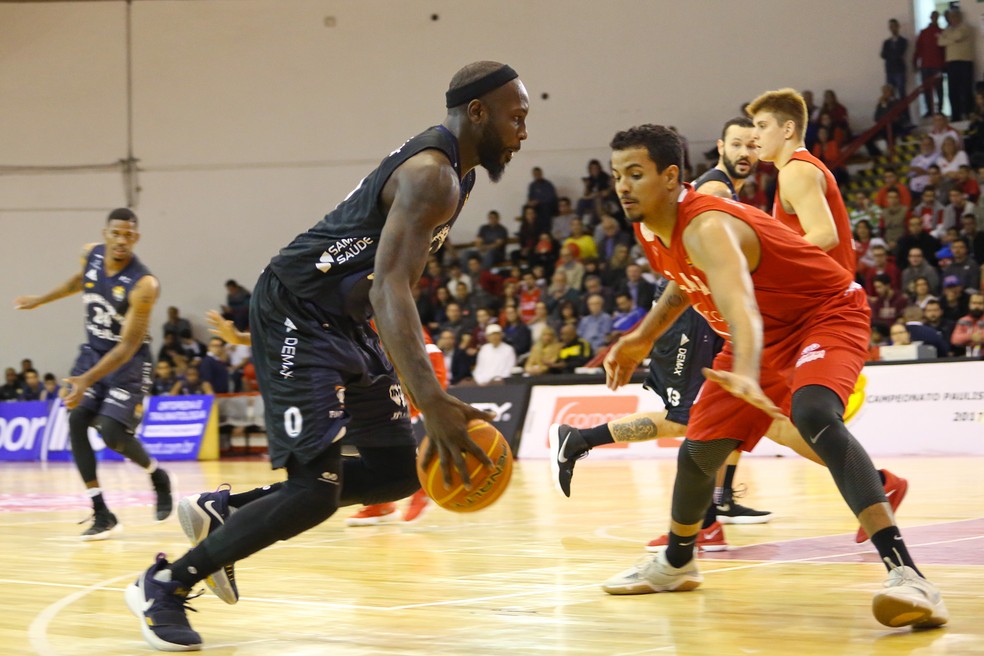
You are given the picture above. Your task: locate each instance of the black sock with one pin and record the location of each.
(98, 503)
(597, 436)
(193, 567)
(711, 516)
(729, 478)
(241, 499)
(891, 548)
(680, 550)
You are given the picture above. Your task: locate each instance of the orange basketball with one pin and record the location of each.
(487, 484)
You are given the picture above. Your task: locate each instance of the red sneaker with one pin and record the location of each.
(895, 489)
(418, 505)
(372, 515)
(709, 539)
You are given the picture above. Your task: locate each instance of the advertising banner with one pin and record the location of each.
(173, 428)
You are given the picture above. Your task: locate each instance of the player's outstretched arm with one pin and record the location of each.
(422, 194)
(226, 330)
(71, 286)
(721, 246)
(625, 354)
(802, 185)
(132, 334)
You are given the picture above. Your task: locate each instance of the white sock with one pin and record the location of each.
(152, 467)
(93, 492)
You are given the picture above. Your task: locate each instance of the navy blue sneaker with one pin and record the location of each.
(162, 605)
(200, 515)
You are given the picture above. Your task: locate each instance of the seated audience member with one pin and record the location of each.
(921, 293)
(51, 388)
(172, 352)
(954, 302)
(559, 291)
(939, 182)
(636, 286)
(916, 237)
(490, 242)
(191, 384)
(609, 235)
(439, 308)
(887, 304)
(941, 130)
(446, 341)
(31, 389)
(165, 379)
(862, 209)
(963, 266)
(433, 278)
(586, 247)
(898, 335)
(483, 320)
(236, 308)
(918, 332)
(626, 316)
(457, 322)
(917, 268)
(965, 182)
(595, 326)
(969, 331)
(614, 271)
(495, 360)
(951, 159)
(893, 219)
(973, 236)
(463, 360)
(175, 324)
(864, 242)
(890, 180)
(214, 367)
(929, 209)
(878, 338)
(561, 225)
(456, 276)
(837, 111)
(467, 300)
(919, 166)
(593, 285)
(933, 318)
(952, 214)
(574, 351)
(545, 355)
(881, 265)
(10, 391)
(565, 314)
(530, 294)
(527, 236)
(571, 267)
(516, 333)
(828, 150)
(192, 349)
(539, 322)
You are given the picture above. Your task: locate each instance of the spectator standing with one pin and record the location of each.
(958, 41)
(893, 54)
(542, 197)
(496, 359)
(236, 308)
(969, 331)
(597, 189)
(929, 57)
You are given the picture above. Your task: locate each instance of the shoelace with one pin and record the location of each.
(179, 602)
(902, 574)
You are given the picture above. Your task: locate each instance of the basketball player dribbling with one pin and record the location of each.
(112, 373)
(320, 365)
(797, 333)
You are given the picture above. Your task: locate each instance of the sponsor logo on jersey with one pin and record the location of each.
(91, 274)
(119, 394)
(289, 324)
(288, 351)
(340, 393)
(438, 239)
(396, 396)
(119, 293)
(342, 251)
(811, 353)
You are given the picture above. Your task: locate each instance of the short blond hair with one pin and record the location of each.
(785, 104)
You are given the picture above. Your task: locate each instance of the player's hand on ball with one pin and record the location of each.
(746, 389)
(447, 428)
(624, 358)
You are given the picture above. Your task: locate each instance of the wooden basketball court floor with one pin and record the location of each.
(518, 578)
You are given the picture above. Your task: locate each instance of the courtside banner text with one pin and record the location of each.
(173, 428)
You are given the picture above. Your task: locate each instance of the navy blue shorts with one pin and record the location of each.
(120, 394)
(323, 377)
(676, 362)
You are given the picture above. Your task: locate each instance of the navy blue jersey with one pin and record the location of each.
(716, 175)
(107, 298)
(332, 263)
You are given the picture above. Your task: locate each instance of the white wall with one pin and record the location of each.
(252, 118)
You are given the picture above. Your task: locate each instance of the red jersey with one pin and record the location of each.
(793, 279)
(843, 253)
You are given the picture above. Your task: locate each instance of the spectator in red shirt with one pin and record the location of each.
(887, 305)
(891, 180)
(881, 266)
(929, 56)
(969, 331)
(966, 183)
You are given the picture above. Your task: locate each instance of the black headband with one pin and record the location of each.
(480, 87)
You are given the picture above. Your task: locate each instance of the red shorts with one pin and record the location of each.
(829, 349)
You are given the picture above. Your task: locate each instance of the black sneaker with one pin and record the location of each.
(162, 605)
(200, 515)
(104, 525)
(165, 499)
(566, 447)
(729, 512)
